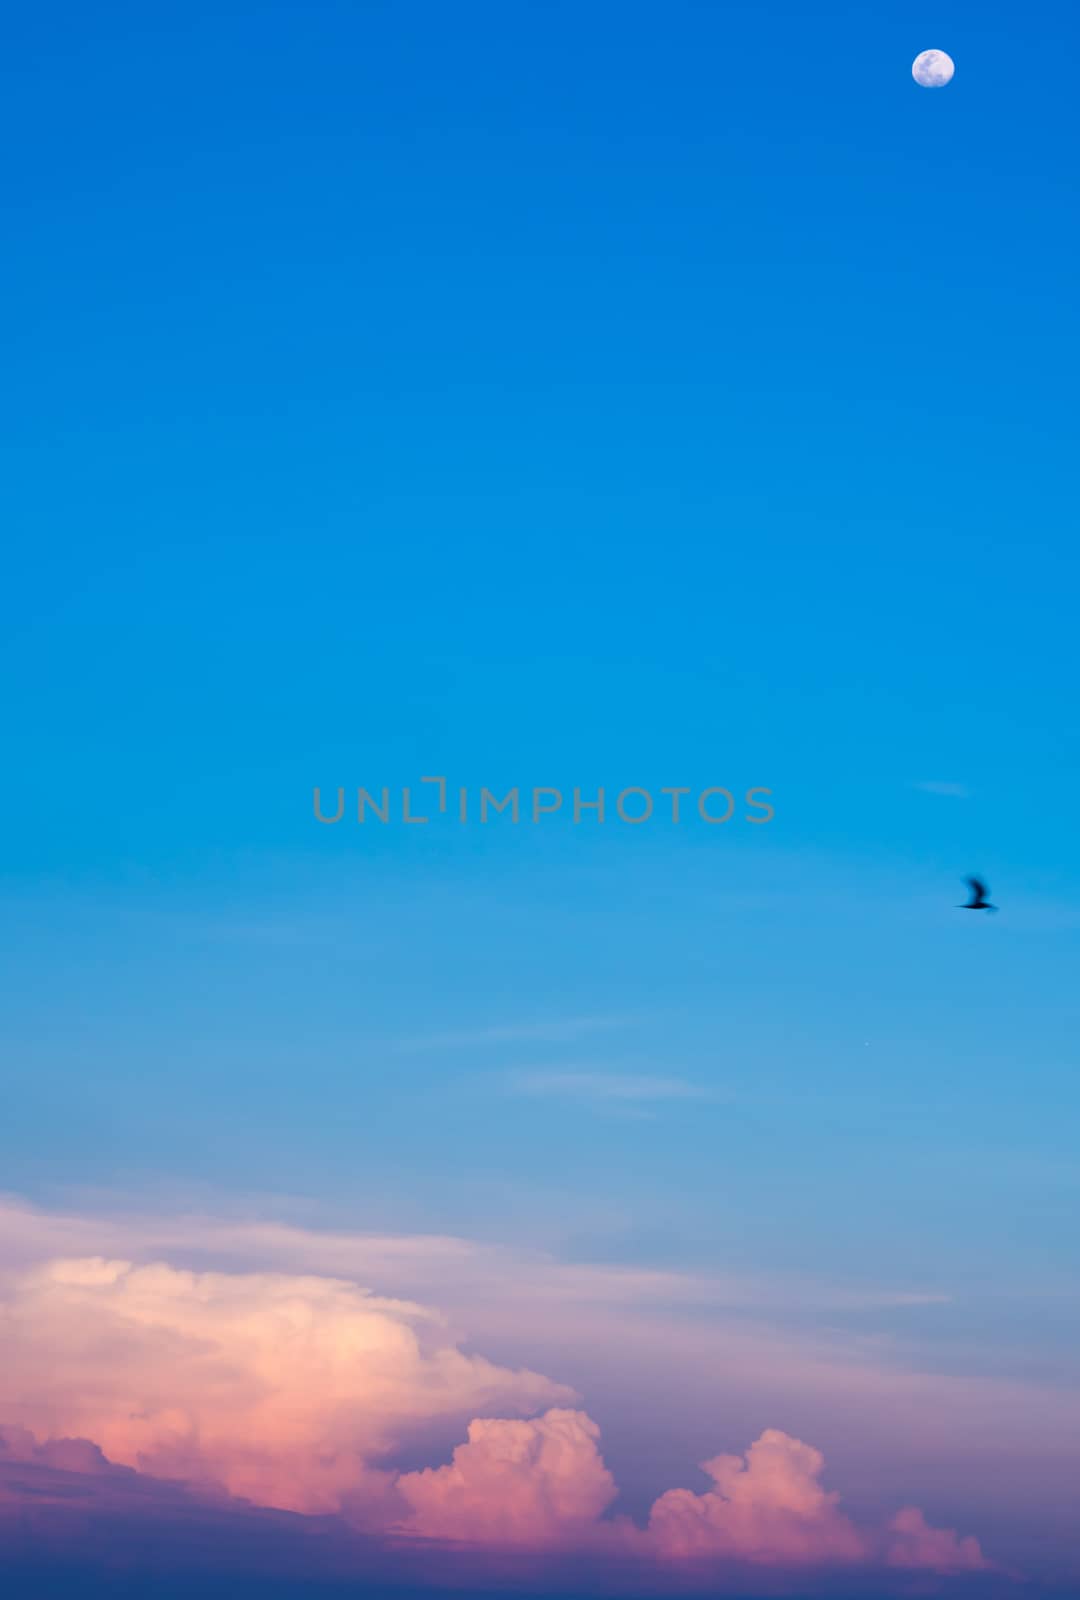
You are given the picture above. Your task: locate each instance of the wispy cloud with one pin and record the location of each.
(549, 1031)
(461, 1272)
(949, 791)
(600, 1087)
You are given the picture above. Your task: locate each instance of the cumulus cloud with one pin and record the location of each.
(280, 1389)
(916, 1544)
(543, 1482)
(532, 1483)
(302, 1392)
(769, 1507)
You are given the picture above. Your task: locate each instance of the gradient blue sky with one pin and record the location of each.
(551, 394)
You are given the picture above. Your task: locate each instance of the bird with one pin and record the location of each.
(978, 901)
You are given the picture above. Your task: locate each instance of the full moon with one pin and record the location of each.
(933, 69)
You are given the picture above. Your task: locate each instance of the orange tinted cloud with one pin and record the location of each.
(295, 1392)
(280, 1389)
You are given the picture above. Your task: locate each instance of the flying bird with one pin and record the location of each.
(978, 901)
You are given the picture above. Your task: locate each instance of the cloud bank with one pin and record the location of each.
(308, 1394)
(280, 1389)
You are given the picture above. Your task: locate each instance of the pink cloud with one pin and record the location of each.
(916, 1544)
(297, 1392)
(543, 1483)
(79, 1456)
(532, 1483)
(284, 1390)
(769, 1507)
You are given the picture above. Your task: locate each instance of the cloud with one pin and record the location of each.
(919, 1546)
(464, 1274)
(281, 1389)
(543, 1482)
(769, 1507)
(80, 1456)
(529, 1483)
(307, 1393)
(541, 1487)
(948, 791)
(605, 1086)
(553, 1031)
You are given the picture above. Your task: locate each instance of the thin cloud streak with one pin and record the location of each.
(593, 1086)
(555, 1031)
(411, 1266)
(948, 791)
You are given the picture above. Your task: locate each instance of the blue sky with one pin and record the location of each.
(574, 395)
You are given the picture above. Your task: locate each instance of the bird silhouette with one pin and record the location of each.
(978, 901)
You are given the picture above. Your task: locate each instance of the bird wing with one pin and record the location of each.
(978, 889)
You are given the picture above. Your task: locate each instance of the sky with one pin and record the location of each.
(541, 397)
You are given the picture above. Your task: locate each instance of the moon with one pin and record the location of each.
(933, 69)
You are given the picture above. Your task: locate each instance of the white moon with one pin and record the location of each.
(933, 69)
